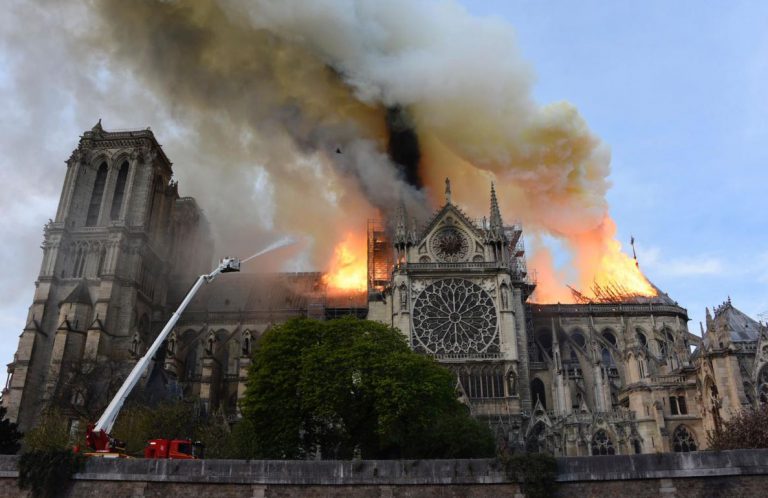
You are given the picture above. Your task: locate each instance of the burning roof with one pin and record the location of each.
(615, 292)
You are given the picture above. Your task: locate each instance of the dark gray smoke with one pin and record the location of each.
(403, 145)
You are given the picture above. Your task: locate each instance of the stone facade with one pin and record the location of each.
(740, 473)
(120, 233)
(578, 379)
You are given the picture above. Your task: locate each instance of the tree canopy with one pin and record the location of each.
(746, 430)
(352, 388)
(9, 435)
(173, 419)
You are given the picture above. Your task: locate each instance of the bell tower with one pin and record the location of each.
(107, 256)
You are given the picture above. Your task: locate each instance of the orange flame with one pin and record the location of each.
(349, 266)
(605, 270)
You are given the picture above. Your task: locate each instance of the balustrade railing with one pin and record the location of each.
(607, 308)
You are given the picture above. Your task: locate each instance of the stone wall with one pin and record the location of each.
(702, 474)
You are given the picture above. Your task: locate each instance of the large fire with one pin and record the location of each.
(606, 272)
(348, 269)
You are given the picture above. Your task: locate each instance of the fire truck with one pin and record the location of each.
(98, 436)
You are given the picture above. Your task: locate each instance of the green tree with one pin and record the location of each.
(49, 434)
(747, 430)
(138, 423)
(177, 419)
(9, 435)
(348, 387)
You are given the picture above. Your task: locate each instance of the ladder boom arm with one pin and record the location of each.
(107, 419)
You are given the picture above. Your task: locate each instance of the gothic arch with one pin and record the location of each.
(119, 191)
(668, 335)
(247, 342)
(610, 337)
(663, 347)
(607, 358)
(120, 158)
(233, 357)
(193, 361)
(536, 439)
(102, 258)
(155, 201)
(94, 206)
(683, 440)
(642, 338)
(485, 381)
(577, 337)
(602, 444)
(543, 340)
(81, 254)
(538, 392)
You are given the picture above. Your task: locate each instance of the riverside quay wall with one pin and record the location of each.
(699, 474)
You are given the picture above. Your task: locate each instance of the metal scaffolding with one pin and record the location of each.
(380, 256)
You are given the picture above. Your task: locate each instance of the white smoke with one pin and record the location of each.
(276, 113)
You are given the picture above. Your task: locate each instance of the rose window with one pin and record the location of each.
(450, 245)
(454, 316)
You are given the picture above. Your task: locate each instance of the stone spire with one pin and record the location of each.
(414, 236)
(496, 222)
(401, 231)
(447, 190)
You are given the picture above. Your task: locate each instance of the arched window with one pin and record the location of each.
(538, 392)
(154, 206)
(247, 343)
(663, 349)
(602, 444)
(98, 192)
(578, 338)
(79, 266)
(577, 400)
(608, 336)
(641, 337)
(482, 382)
(607, 358)
(117, 199)
(193, 362)
(233, 354)
(536, 440)
(544, 340)
(574, 357)
(102, 257)
(682, 440)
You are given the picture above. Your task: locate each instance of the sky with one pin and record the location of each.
(678, 91)
(675, 89)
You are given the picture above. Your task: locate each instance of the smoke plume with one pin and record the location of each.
(336, 110)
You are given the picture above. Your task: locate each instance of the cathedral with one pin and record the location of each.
(611, 377)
